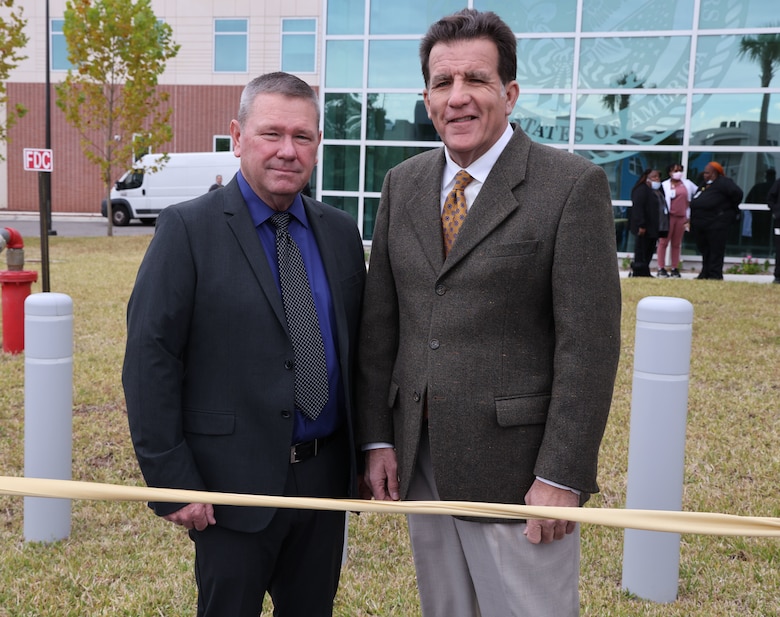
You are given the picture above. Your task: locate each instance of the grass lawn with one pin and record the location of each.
(121, 560)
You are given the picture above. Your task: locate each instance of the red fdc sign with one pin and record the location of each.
(37, 159)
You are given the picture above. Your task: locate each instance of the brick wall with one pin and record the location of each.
(200, 112)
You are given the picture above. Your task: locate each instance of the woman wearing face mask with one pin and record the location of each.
(648, 220)
(678, 191)
(714, 207)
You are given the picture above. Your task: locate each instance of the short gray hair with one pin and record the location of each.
(276, 83)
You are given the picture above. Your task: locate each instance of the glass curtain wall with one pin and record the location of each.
(628, 84)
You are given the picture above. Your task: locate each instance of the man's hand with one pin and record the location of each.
(196, 516)
(545, 531)
(382, 474)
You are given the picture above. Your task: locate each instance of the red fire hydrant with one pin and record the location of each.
(15, 283)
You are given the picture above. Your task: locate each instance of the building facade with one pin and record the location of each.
(628, 84)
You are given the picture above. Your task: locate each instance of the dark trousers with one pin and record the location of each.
(644, 247)
(711, 243)
(296, 559)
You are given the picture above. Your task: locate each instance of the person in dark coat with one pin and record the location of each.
(773, 201)
(648, 219)
(714, 207)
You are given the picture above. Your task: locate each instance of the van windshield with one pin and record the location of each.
(131, 180)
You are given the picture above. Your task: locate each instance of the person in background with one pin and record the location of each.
(241, 333)
(648, 220)
(490, 336)
(217, 184)
(714, 208)
(678, 192)
(758, 194)
(773, 201)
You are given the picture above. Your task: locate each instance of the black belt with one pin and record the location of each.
(305, 450)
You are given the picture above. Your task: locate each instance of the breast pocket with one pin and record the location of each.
(514, 249)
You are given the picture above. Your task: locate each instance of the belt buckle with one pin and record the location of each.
(311, 450)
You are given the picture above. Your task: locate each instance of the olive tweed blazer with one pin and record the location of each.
(512, 341)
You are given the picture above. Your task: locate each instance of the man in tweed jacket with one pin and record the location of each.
(487, 374)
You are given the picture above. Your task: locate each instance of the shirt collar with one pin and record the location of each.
(479, 169)
(261, 212)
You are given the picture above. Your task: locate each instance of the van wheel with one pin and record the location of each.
(120, 216)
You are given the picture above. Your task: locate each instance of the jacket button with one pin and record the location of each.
(416, 397)
(434, 344)
(286, 413)
(289, 364)
(441, 290)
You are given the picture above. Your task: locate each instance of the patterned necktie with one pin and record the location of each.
(455, 210)
(311, 372)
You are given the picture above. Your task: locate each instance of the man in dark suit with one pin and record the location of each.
(212, 368)
(487, 356)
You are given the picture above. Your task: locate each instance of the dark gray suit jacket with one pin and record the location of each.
(209, 388)
(513, 340)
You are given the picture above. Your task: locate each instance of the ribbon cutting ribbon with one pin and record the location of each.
(702, 523)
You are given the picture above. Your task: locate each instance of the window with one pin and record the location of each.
(345, 16)
(59, 48)
(231, 44)
(394, 64)
(223, 143)
(344, 68)
(299, 45)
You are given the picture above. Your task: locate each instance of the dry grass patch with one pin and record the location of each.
(121, 560)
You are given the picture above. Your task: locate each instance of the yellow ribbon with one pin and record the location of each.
(702, 523)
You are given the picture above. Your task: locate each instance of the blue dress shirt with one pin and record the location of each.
(332, 415)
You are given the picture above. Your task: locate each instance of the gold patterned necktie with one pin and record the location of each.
(455, 210)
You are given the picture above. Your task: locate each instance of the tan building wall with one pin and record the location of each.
(204, 102)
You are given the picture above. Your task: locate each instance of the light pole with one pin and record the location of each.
(44, 177)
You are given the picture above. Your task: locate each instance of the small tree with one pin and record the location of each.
(12, 40)
(119, 49)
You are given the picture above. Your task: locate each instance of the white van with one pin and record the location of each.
(141, 195)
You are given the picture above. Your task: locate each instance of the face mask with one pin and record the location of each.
(655, 185)
(709, 181)
(677, 175)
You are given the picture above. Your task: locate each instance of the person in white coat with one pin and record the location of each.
(678, 191)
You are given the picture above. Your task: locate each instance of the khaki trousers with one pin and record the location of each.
(467, 569)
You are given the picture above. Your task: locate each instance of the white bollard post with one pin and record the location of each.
(656, 453)
(48, 410)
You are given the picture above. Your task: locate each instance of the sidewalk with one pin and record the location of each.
(75, 217)
(743, 278)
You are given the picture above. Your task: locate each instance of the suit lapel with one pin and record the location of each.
(422, 206)
(240, 223)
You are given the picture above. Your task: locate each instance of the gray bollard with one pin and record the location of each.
(656, 453)
(48, 410)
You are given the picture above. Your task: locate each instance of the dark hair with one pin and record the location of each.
(671, 166)
(472, 24)
(643, 177)
(275, 83)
